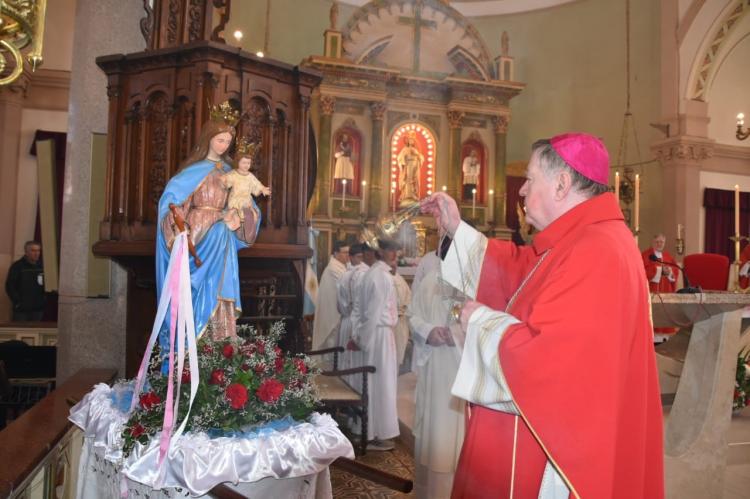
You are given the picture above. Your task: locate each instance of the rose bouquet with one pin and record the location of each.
(244, 382)
(742, 382)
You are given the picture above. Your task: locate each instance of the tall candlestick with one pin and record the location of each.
(679, 231)
(473, 202)
(617, 186)
(736, 210)
(491, 206)
(363, 202)
(343, 197)
(637, 224)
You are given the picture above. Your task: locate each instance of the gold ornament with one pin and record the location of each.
(224, 113)
(247, 148)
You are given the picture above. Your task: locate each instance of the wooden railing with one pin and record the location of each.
(35, 449)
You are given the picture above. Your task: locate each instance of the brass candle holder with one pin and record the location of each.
(737, 239)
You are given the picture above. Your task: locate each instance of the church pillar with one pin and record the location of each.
(323, 181)
(500, 125)
(455, 120)
(91, 331)
(375, 194)
(11, 111)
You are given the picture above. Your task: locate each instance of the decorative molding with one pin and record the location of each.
(683, 150)
(500, 124)
(49, 89)
(377, 110)
(708, 61)
(455, 119)
(327, 105)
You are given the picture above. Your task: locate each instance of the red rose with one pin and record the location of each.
(248, 349)
(277, 350)
(245, 367)
(260, 368)
(217, 377)
(279, 364)
(137, 430)
(300, 365)
(208, 349)
(270, 390)
(237, 395)
(228, 351)
(186, 375)
(149, 400)
(261, 347)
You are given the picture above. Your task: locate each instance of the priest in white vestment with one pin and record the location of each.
(347, 287)
(403, 298)
(374, 334)
(327, 317)
(439, 417)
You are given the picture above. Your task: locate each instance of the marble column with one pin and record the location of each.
(11, 111)
(455, 120)
(500, 126)
(375, 183)
(323, 178)
(91, 332)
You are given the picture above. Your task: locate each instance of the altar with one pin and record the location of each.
(695, 436)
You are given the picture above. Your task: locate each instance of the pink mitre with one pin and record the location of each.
(585, 154)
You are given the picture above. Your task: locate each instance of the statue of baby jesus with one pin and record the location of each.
(243, 185)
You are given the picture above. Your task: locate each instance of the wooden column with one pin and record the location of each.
(455, 119)
(500, 126)
(323, 181)
(375, 182)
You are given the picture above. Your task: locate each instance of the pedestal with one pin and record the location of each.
(695, 443)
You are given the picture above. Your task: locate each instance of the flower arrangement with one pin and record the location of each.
(243, 382)
(742, 381)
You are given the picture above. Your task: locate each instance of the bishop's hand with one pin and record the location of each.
(444, 209)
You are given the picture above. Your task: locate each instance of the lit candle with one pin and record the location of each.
(445, 188)
(491, 206)
(363, 202)
(679, 231)
(343, 196)
(736, 210)
(637, 224)
(473, 202)
(617, 186)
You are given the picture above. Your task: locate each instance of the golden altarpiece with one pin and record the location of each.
(158, 101)
(411, 102)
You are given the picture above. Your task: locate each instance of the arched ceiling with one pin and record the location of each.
(479, 8)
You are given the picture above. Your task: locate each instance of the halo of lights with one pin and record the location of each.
(429, 162)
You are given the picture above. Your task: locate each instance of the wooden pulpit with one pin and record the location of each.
(695, 435)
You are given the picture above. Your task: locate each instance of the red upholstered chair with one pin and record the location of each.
(707, 270)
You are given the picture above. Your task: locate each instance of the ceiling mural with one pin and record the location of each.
(479, 8)
(422, 37)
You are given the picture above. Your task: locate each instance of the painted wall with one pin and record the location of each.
(729, 93)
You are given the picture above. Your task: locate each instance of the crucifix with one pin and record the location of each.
(418, 24)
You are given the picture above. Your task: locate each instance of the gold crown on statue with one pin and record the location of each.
(247, 148)
(224, 113)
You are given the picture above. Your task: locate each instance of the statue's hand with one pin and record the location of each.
(232, 219)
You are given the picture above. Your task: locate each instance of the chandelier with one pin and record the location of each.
(742, 134)
(21, 25)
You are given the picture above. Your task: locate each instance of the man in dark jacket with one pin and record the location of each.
(25, 284)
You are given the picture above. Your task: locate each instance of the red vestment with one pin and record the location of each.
(665, 285)
(580, 365)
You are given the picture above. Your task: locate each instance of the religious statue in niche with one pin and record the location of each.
(346, 160)
(472, 171)
(409, 160)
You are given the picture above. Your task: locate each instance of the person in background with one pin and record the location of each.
(25, 284)
(662, 277)
(327, 317)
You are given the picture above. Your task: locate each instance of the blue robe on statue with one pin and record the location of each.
(218, 277)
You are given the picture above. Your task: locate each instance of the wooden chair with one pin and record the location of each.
(335, 393)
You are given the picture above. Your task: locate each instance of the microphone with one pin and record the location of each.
(688, 288)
